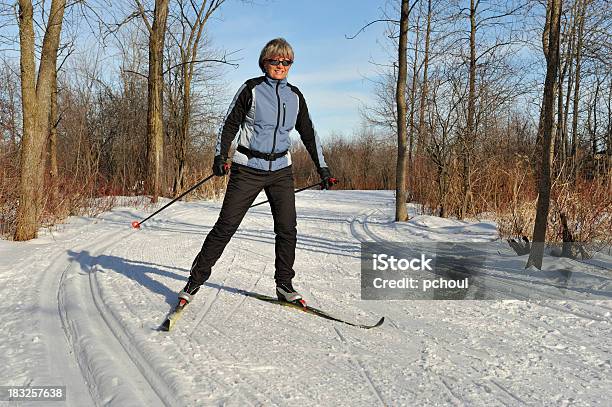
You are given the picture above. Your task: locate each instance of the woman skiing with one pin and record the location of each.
(262, 114)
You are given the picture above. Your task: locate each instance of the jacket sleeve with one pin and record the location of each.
(307, 132)
(233, 119)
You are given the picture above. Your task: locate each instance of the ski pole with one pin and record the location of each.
(136, 224)
(333, 181)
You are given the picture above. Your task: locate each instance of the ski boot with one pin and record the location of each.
(187, 293)
(185, 297)
(286, 292)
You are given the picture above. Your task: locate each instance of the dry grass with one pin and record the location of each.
(502, 185)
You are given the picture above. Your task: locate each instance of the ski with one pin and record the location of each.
(174, 315)
(301, 305)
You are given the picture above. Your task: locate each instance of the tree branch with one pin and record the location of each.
(144, 16)
(221, 61)
(369, 24)
(135, 73)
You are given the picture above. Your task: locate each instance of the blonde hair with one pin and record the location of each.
(276, 47)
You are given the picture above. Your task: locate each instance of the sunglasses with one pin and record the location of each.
(276, 62)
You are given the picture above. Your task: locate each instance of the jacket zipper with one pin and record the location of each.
(284, 113)
(277, 123)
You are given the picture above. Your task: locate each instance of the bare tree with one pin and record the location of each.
(424, 82)
(36, 103)
(480, 16)
(443, 122)
(401, 108)
(53, 121)
(411, 121)
(193, 18)
(10, 102)
(155, 122)
(568, 40)
(401, 213)
(580, 18)
(467, 141)
(550, 42)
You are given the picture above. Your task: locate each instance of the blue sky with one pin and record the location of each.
(329, 69)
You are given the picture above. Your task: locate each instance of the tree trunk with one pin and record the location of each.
(184, 130)
(570, 83)
(424, 89)
(411, 125)
(595, 122)
(559, 137)
(401, 212)
(593, 133)
(580, 22)
(559, 155)
(36, 105)
(608, 140)
(421, 139)
(155, 123)
(468, 141)
(550, 40)
(53, 121)
(12, 112)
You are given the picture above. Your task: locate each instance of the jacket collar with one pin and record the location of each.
(274, 82)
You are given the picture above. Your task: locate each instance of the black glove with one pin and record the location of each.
(220, 167)
(327, 181)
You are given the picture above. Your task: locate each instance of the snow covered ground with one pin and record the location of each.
(81, 306)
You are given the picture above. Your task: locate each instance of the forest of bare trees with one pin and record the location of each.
(505, 109)
(104, 132)
(502, 101)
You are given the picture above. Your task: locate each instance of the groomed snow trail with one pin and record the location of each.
(75, 337)
(82, 306)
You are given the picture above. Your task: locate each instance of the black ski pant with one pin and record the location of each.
(244, 185)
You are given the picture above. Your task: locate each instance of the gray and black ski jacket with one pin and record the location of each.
(262, 114)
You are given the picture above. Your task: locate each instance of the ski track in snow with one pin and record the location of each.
(362, 370)
(121, 375)
(93, 293)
